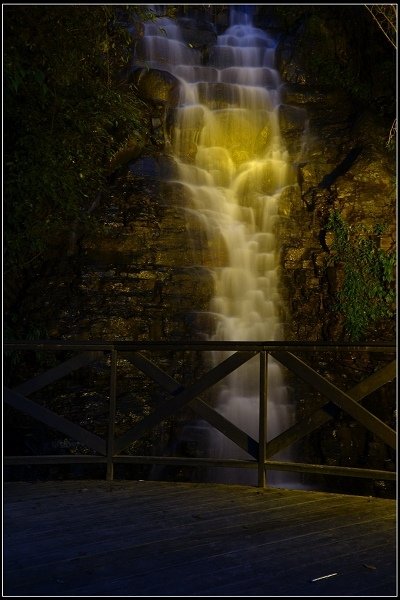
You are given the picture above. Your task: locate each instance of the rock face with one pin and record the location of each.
(135, 279)
(337, 148)
(342, 164)
(337, 142)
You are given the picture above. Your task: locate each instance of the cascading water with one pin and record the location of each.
(233, 166)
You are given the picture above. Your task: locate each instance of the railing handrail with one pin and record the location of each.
(179, 396)
(258, 346)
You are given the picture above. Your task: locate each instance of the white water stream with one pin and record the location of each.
(233, 165)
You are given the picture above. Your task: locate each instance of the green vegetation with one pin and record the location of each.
(368, 292)
(67, 110)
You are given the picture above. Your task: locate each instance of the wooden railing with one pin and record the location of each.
(109, 451)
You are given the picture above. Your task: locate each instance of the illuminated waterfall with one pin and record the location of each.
(231, 162)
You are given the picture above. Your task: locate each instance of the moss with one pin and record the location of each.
(367, 292)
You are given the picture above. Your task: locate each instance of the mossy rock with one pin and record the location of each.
(156, 86)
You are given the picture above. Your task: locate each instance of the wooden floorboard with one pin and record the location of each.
(131, 538)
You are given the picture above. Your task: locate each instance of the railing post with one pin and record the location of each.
(262, 437)
(111, 423)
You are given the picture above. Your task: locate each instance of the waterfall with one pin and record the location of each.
(233, 166)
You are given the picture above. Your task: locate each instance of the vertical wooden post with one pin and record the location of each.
(262, 437)
(111, 423)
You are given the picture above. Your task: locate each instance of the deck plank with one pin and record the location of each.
(160, 538)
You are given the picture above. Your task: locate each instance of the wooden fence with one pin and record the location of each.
(109, 451)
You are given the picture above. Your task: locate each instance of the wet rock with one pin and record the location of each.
(156, 86)
(198, 34)
(131, 150)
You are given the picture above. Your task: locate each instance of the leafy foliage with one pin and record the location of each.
(368, 292)
(66, 111)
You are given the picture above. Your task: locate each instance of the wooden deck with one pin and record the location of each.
(132, 538)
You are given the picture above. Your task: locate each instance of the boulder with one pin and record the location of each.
(156, 86)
